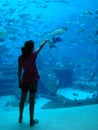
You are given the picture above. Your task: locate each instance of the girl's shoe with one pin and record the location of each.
(33, 122)
(20, 120)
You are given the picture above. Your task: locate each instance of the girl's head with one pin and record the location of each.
(28, 48)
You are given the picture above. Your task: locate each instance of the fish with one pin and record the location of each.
(56, 39)
(3, 33)
(96, 40)
(96, 33)
(87, 12)
(93, 75)
(96, 11)
(59, 31)
(52, 41)
(2, 39)
(75, 94)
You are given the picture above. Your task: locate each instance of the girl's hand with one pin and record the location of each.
(47, 40)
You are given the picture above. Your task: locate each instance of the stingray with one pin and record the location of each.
(63, 102)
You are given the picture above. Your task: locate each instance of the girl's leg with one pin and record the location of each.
(31, 107)
(21, 105)
(32, 89)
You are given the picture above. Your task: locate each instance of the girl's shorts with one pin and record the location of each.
(32, 87)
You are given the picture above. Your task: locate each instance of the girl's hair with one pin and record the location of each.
(27, 48)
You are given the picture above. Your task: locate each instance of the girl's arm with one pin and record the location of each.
(41, 46)
(19, 75)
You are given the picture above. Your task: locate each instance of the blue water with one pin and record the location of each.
(67, 65)
(74, 59)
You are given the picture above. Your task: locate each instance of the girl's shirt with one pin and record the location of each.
(28, 64)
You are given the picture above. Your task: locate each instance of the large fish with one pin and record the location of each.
(54, 36)
(58, 31)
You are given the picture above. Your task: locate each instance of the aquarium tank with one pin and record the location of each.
(67, 64)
